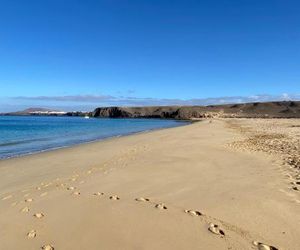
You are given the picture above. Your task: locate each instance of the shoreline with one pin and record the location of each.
(178, 180)
(187, 122)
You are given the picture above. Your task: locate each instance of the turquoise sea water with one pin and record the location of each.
(20, 135)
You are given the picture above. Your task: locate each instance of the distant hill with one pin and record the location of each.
(282, 109)
(30, 110)
(37, 111)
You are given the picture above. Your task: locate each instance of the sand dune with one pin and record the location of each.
(201, 186)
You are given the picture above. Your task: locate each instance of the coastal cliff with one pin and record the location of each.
(284, 109)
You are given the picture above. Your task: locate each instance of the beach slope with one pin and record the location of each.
(179, 188)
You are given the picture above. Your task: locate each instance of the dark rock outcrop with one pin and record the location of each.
(112, 112)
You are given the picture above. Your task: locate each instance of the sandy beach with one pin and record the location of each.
(214, 184)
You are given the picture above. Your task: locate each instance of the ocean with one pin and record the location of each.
(21, 135)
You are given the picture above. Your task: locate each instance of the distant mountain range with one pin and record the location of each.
(282, 109)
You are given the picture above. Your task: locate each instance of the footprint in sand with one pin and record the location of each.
(43, 194)
(25, 210)
(71, 188)
(39, 215)
(160, 206)
(7, 197)
(29, 200)
(98, 194)
(215, 229)
(114, 197)
(262, 246)
(47, 247)
(142, 199)
(31, 234)
(76, 193)
(295, 188)
(295, 183)
(193, 212)
(38, 188)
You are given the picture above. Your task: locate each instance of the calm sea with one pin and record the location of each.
(20, 135)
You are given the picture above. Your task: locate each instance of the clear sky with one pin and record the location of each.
(85, 53)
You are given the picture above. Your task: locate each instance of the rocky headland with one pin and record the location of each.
(283, 109)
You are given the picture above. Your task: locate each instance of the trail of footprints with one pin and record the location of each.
(293, 175)
(213, 228)
(62, 183)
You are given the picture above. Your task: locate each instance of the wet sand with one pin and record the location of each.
(215, 184)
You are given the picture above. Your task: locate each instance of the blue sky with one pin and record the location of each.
(82, 54)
